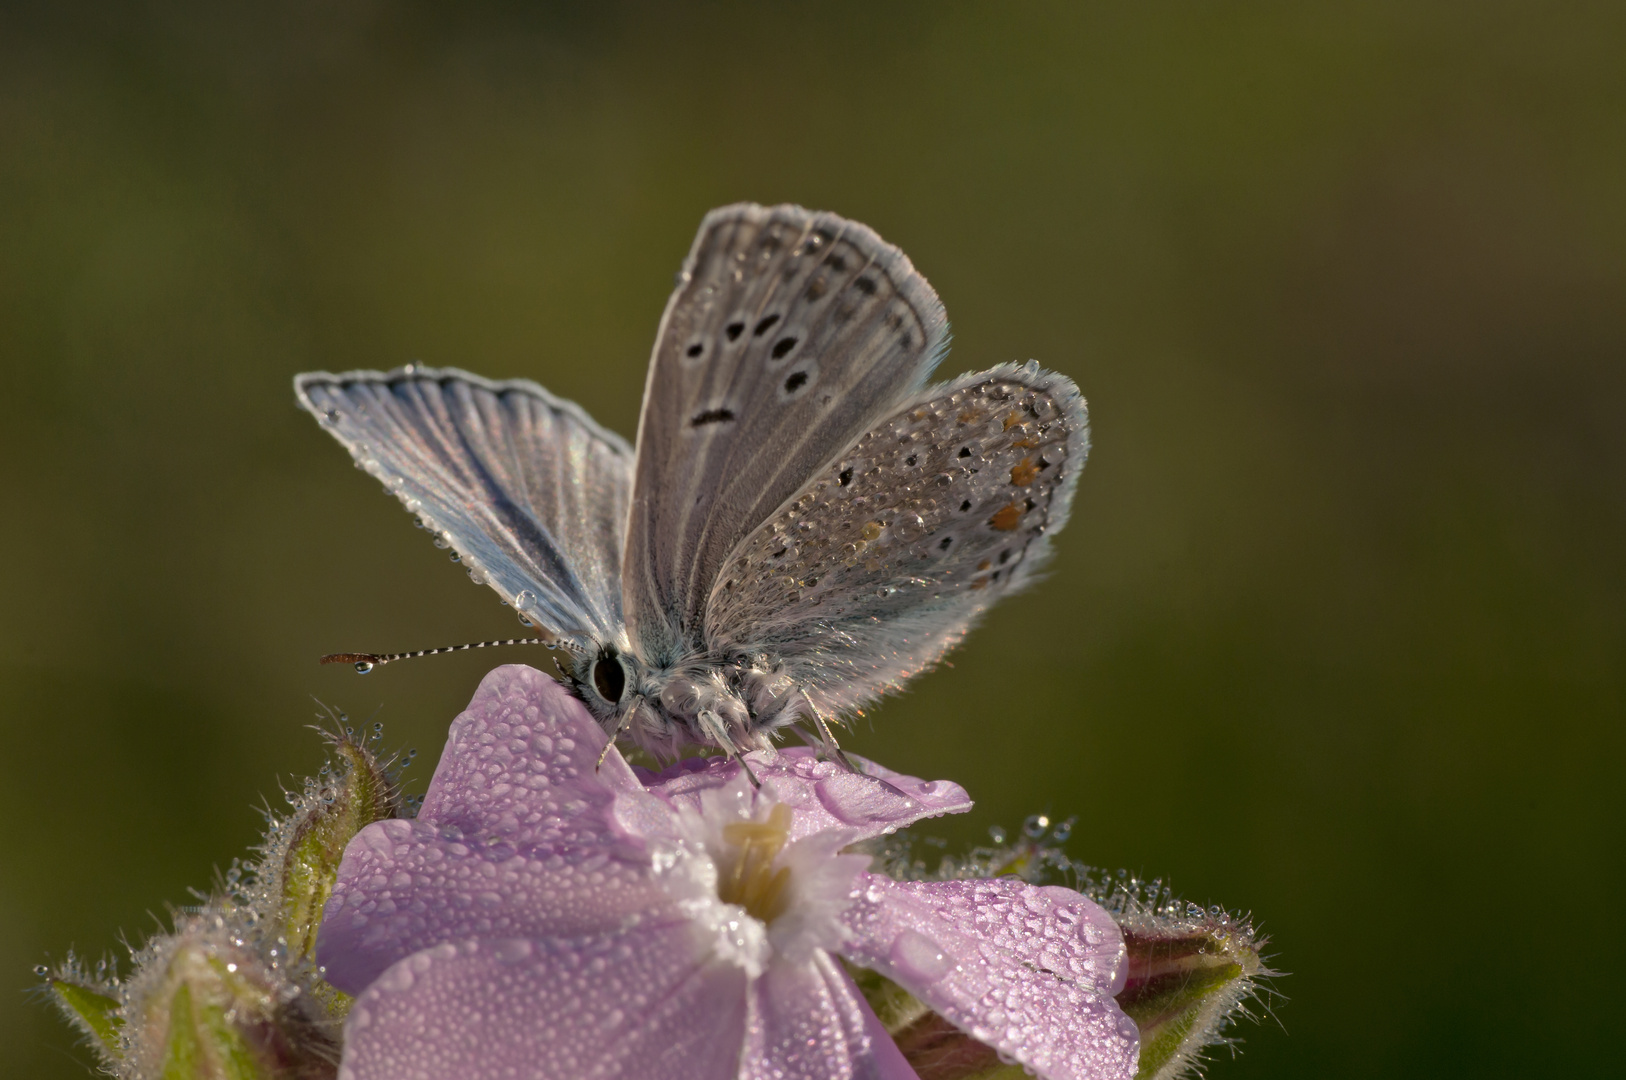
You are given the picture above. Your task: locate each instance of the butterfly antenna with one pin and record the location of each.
(626, 718)
(366, 661)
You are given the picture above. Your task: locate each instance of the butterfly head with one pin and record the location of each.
(669, 708)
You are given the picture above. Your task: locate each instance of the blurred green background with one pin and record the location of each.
(1336, 635)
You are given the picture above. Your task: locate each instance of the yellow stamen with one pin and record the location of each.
(751, 881)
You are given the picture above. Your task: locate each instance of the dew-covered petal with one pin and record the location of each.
(810, 1022)
(1029, 970)
(823, 794)
(521, 763)
(403, 887)
(637, 1006)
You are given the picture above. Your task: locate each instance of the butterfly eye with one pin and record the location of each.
(609, 678)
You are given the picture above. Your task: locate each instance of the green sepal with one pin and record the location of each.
(1184, 984)
(203, 1044)
(362, 794)
(97, 1013)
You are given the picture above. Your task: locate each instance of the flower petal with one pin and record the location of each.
(402, 888)
(823, 794)
(1029, 970)
(517, 837)
(521, 763)
(640, 1006)
(809, 1022)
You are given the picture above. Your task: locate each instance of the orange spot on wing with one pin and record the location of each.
(1007, 518)
(980, 583)
(1024, 472)
(985, 564)
(1011, 420)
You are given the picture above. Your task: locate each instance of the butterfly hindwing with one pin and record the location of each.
(526, 488)
(790, 333)
(885, 559)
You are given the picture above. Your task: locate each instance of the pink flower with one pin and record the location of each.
(541, 917)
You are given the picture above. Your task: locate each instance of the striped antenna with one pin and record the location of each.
(366, 661)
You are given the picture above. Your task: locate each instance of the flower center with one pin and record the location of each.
(746, 875)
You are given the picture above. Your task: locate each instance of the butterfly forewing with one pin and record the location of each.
(526, 488)
(883, 561)
(789, 335)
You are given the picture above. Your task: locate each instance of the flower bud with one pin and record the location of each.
(204, 1004)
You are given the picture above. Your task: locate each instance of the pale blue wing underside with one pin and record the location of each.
(789, 335)
(884, 560)
(525, 487)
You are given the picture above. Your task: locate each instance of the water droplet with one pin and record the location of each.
(362, 668)
(41, 970)
(1035, 826)
(917, 956)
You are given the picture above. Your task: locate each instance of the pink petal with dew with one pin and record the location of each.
(514, 839)
(522, 763)
(1028, 970)
(636, 1006)
(823, 794)
(809, 1022)
(402, 888)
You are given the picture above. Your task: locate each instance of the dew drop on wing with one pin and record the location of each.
(363, 667)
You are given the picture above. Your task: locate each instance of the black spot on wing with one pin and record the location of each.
(712, 416)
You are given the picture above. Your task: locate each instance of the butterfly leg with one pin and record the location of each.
(831, 747)
(621, 725)
(841, 755)
(712, 725)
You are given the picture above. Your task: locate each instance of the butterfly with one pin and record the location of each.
(805, 523)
